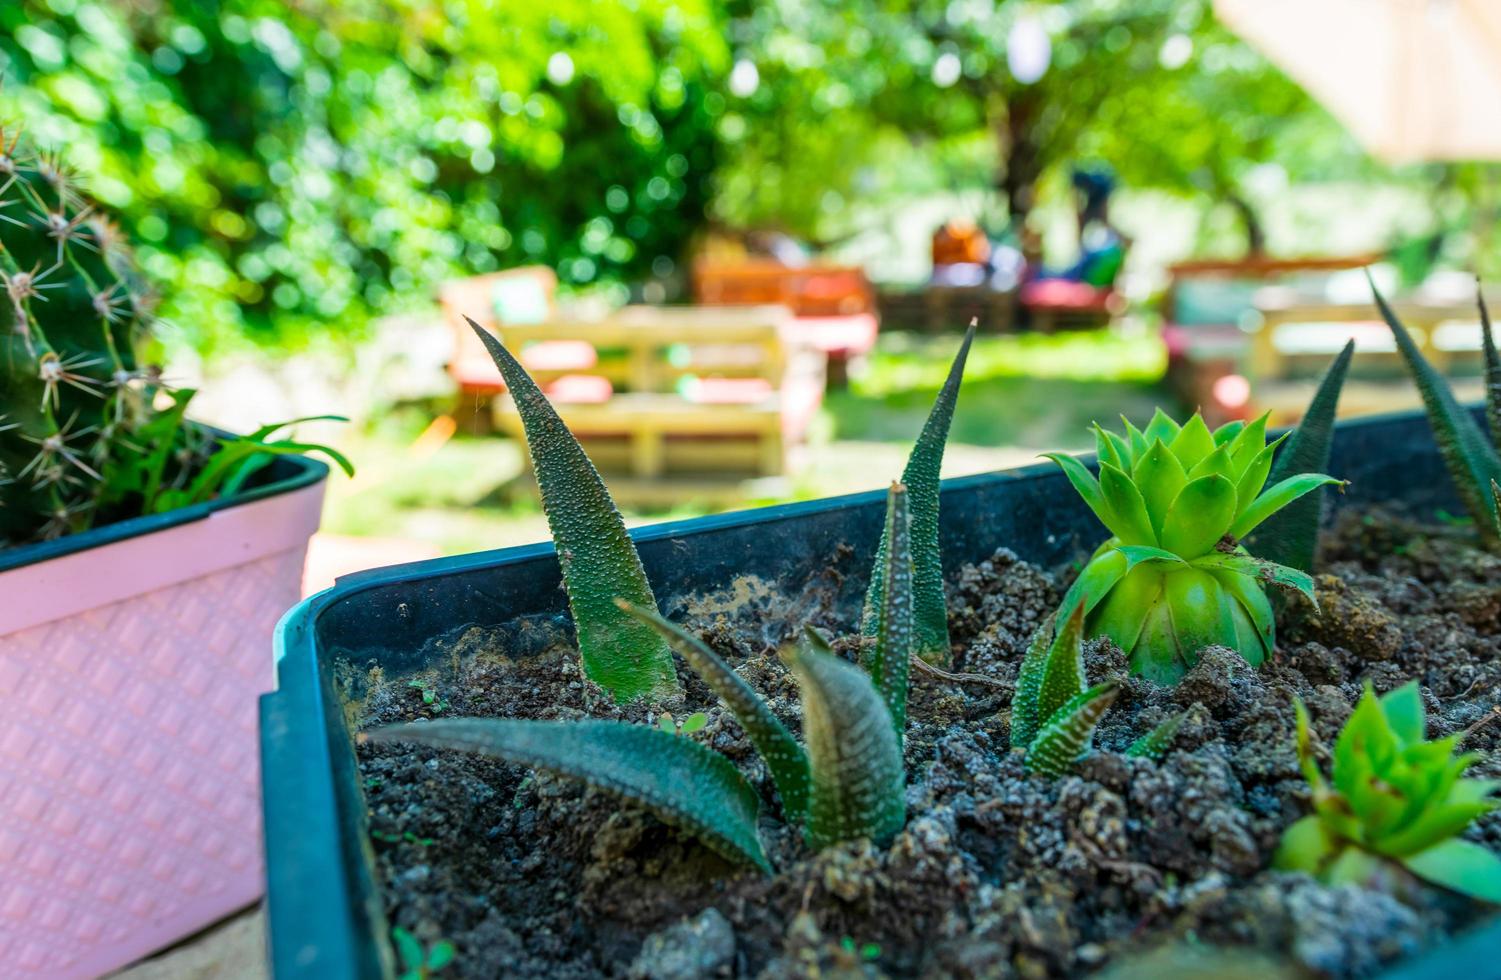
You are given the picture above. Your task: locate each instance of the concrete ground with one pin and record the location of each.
(234, 949)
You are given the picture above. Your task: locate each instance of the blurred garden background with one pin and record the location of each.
(303, 178)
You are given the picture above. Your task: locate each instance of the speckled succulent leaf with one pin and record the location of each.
(1492, 369)
(1276, 497)
(684, 783)
(1290, 537)
(1063, 674)
(784, 757)
(1155, 743)
(1394, 796)
(1461, 866)
(859, 780)
(622, 654)
(891, 653)
(1471, 459)
(1065, 739)
(1024, 719)
(930, 618)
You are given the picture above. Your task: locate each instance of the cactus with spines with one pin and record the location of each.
(82, 438)
(72, 312)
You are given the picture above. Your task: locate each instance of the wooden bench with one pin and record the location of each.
(1208, 310)
(834, 305)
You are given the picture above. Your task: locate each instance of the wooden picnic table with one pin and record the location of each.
(645, 333)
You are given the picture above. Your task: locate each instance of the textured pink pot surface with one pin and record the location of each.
(129, 769)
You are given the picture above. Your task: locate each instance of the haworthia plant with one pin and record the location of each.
(890, 655)
(1471, 458)
(1053, 715)
(1394, 798)
(622, 654)
(684, 783)
(784, 757)
(1155, 743)
(1290, 537)
(859, 780)
(930, 623)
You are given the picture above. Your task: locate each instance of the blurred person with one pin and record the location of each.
(1102, 248)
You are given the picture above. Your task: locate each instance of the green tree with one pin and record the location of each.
(312, 162)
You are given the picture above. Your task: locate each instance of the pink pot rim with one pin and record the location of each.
(75, 583)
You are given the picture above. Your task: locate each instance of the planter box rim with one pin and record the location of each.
(290, 473)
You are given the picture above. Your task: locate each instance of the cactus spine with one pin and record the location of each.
(71, 313)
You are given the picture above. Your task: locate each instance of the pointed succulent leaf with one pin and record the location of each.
(1065, 739)
(1216, 463)
(1492, 369)
(1249, 443)
(1161, 428)
(1086, 485)
(1109, 450)
(1063, 674)
(1199, 516)
(1134, 437)
(859, 780)
(1290, 537)
(1250, 484)
(1404, 712)
(1226, 433)
(930, 617)
(1259, 570)
(1193, 442)
(784, 757)
(1025, 718)
(1461, 866)
(1472, 461)
(684, 783)
(600, 564)
(1127, 511)
(1306, 846)
(891, 655)
(1155, 743)
(1159, 476)
(1277, 497)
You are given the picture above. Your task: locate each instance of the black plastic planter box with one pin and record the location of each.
(326, 918)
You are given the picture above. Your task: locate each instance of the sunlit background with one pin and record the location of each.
(306, 179)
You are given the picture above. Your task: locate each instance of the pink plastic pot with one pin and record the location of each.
(131, 658)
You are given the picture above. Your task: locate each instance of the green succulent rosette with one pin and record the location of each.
(1173, 577)
(1394, 797)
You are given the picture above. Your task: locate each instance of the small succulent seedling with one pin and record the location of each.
(1053, 715)
(600, 564)
(1394, 799)
(693, 723)
(1471, 458)
(1290, 537)
(418, 963)
(930, 619)
(1173, 578)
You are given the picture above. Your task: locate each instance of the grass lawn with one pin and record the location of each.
(1022, 395)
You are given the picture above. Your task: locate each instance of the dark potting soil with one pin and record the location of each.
(997, 873)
